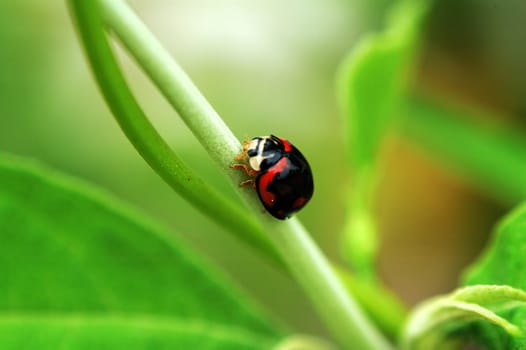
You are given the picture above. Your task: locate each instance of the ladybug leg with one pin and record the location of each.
(243, 154)
(249, 182)
(246, 169)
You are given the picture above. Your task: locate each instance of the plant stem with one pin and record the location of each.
(306, 262)
(150, 144)
(388, 312)
(311, 269)
(173, 83)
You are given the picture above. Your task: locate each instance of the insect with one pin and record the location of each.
(280, 174)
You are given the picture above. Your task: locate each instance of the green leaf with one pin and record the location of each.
(503, 263)
(373, 79)
(437, 321)
(68, 248)
(491, 312)
(371, 83)
(491, 156)
(114, 333)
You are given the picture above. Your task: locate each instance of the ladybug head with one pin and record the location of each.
(264, 152)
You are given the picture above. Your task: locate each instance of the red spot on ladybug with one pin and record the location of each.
(300, 202)
(287, 146)
(283, 178)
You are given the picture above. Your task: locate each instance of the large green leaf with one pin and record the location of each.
(504, 263)
(113, 333)
(491, 312)
(67, 248)
(444, 322)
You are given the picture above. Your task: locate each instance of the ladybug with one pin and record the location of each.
(281, 175)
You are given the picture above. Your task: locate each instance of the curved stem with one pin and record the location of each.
(173, 83)
(311, 269)
(147, 140)
(306, 262)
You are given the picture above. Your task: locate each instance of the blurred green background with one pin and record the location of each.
(269, 66)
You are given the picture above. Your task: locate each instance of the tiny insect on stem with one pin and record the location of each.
(250, 172)
(249, 182)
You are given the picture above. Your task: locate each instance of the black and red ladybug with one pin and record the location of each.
(282, 175)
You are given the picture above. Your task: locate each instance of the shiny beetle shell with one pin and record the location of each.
(283, 177)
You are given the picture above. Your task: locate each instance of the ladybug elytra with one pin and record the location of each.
(281, 175)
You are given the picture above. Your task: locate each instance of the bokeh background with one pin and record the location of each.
(269, 66)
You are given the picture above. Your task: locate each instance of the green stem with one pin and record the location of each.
(360, 238)
(306, 262)
(380, 304)
(115, 92)
(312, 270)
(147, 140)
(173, 83)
